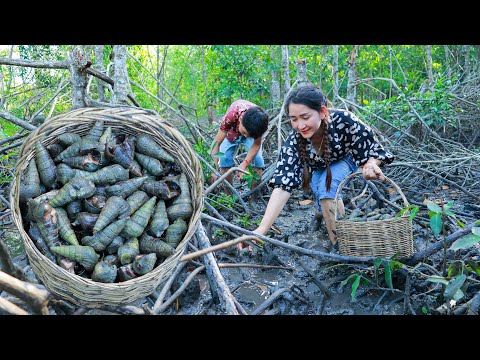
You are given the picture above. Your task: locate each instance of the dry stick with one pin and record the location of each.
(60, 88)
(10, 308)
(234, 191)
(214, 273)
(177, 293)
(438, 177)
(168, 284)
(258, 266)
(221, 246)
(34, 296)
(418, 257)
(406, 302)
(7, 264)
(13, 138)
(327, 293)
(16, 121)
(269, 301)
(221, 178)
(5, 201)
(313, 253)
(6, 148)
(471, 305)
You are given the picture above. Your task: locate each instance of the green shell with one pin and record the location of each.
(114, 206)
(85, 255)
(159, 221)
(65, 229)
(137, 199)
(181, 206)
(115, 244)
(139, 220)
(176, 232)
(143, 264)
(128, 251)
(104, 272)
(47, 169)
(146, 144)
(126, 272)
(108, 175)
(149, 244)
(77, 188)
(125, 188)
(30, 184)
(103, 238)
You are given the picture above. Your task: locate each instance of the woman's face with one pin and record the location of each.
(305, 120)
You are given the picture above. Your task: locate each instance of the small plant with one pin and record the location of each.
(244, 220)
(251, 177)
(357, 277)
(389, 265)
(225, 200)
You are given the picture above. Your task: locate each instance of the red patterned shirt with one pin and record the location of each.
(232, 118)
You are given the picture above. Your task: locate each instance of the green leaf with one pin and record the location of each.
(438, 280)
(447, 206)
(424, 310)
(462, 225)
(455, 269)
(219, 154)
(453, 286)
(458, 295)
(473, 267)
(465, 242)
(377, 262)
(436, 224)
(355, 286)
(345, 282)
(388, 274)
(403, 211)
(395, 265)
(434, 207)
(413, 213)
(449, 213)
(476, 231)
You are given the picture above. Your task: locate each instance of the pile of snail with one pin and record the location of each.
(106, 206)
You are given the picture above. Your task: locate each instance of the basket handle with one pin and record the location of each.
(342, 183)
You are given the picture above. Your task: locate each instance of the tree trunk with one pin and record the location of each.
(286, 70)
(447, 62)
(323, 53)
(275, 86)
(207, 93)
(302, 71)
(429, 67)
(335, 72)
(120, 75)
(77, 62)
(466, 67)
(98, 50)
(352, 74)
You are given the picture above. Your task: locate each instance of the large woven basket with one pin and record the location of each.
(86, 292)
(382, 238)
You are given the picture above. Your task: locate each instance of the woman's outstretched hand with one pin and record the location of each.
(372, 171)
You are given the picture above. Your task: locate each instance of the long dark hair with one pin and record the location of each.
(312, 97)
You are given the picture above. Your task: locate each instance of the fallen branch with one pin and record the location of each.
(10, 308)
(214, 274)
(36, 297)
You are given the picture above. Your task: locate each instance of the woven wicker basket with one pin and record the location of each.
(86, 292)
(374, 238)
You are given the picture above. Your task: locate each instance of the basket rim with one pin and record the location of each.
(342, 183)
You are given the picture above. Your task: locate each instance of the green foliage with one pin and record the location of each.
(226, 200)
(244, 220)
(203, 150)
(251, 177)
(357, 278)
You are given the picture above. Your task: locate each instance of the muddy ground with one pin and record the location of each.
(298, 293)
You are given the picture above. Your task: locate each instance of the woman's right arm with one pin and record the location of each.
(277, 201)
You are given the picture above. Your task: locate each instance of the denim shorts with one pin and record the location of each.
(228, 148)
(340, 170)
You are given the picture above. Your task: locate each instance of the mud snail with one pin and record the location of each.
(117, 205)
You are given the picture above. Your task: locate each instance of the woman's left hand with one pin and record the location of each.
(372, 171)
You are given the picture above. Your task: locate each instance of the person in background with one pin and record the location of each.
(324, 146)
(243, 123)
